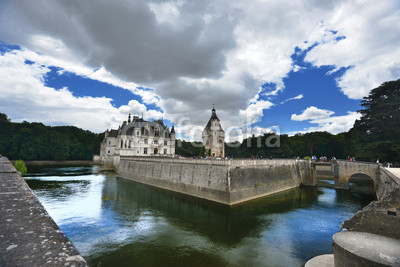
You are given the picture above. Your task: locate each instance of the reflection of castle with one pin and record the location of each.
(214, 136)
(139, 138)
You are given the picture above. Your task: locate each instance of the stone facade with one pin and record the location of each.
(138, 138)
(214, 136)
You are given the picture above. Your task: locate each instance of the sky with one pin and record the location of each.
(271, 65)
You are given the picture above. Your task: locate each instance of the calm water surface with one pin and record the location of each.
(115, 222)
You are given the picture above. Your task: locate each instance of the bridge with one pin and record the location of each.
(344, 172)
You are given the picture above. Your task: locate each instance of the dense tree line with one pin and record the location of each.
(189, 149)
(375, 136)
(35, 141)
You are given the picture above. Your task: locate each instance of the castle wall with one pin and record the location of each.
(227, 182)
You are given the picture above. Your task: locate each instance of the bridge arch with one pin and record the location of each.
(362, 183)
(346, 171)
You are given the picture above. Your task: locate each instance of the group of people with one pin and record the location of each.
(322, 159)
(351, 159)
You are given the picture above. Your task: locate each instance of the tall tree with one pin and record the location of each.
(377, 133)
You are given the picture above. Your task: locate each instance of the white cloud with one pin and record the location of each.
(18, 81)
(300, 96)
(189, 55)
(325, 120)
(370, 48)
(312, 113)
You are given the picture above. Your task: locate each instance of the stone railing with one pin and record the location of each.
(221, 162)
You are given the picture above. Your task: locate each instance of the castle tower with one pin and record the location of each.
(214, 136)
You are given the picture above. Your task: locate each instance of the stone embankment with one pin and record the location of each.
(28, 235)
(371, 236)
(227, 182)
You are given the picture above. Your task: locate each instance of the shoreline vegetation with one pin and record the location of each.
(374, 137)
(58, 162)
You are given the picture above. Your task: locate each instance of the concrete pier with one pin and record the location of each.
(365, 249)
(28, 235)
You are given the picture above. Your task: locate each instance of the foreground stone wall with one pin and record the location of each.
(28, 235)
(226, 182)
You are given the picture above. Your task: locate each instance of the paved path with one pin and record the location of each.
(28, 235)
(395, 171)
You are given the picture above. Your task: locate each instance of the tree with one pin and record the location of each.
(377, 133)
(3, 117)
(20, 166)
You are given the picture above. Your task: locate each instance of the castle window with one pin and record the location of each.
(109, 142)
(122, 143)
(108, 151)
(155, 141)
(156, 133)
(165, 143)
(165, 152)
(126, 142)
(146, 141)
(146, 132)
(145, 150)
(137, 133)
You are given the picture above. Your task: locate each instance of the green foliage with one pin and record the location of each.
(284, 146)
(258, 184)
(377, 133)
(3, 117)
(189, 149)
(307, 157)
(35, 141)
(20, 166)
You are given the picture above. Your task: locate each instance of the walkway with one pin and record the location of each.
(395, 171)
(28, 235)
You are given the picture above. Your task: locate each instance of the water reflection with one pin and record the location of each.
(113, 221)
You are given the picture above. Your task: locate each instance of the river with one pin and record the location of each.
(113, 221)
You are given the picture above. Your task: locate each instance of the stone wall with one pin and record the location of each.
(225, 181)
(110, 162)
(28, 235)
(200, 180)
(387, 183)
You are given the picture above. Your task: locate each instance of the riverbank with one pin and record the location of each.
(58, 163)
(29, 236)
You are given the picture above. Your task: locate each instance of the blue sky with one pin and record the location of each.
(290, 67)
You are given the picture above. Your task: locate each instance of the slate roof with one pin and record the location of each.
(128, 129)
(213, 117)
(113, 133)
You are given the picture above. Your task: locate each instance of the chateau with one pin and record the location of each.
(139, 138)
(214, 136)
